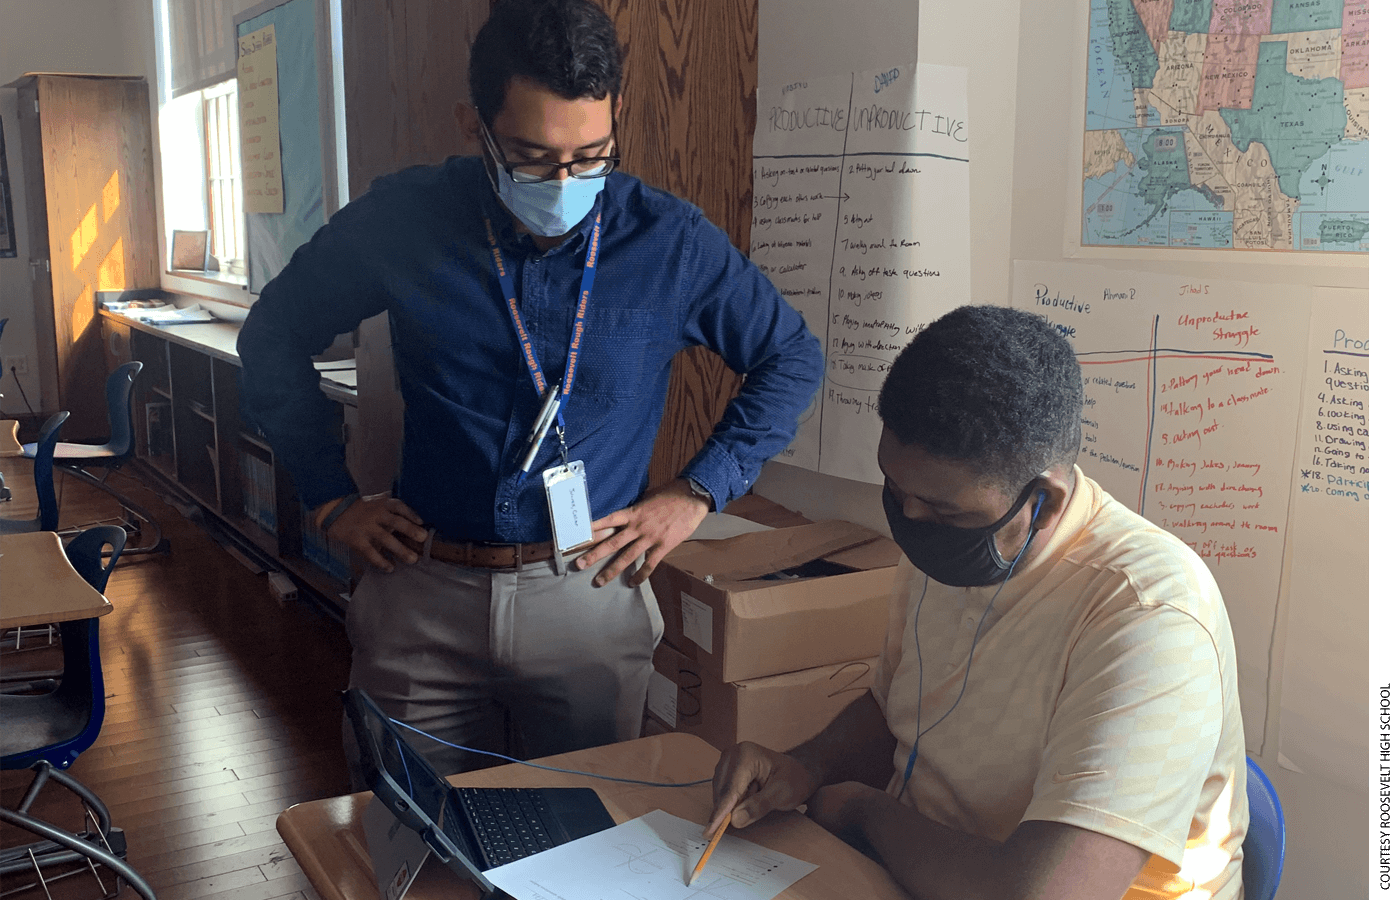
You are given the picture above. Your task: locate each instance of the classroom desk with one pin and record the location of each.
(9, 439)
(327, 841)
(40, 585)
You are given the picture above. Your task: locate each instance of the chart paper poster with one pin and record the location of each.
(1232, 124)
(259, 122)
(1190, 402)
(861, 219)
(1323, 721)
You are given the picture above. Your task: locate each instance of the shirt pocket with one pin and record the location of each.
(624, 350)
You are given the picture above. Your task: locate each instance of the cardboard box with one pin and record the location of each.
(777, 711)
(778, 601)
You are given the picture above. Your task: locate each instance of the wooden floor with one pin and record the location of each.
(222, 710)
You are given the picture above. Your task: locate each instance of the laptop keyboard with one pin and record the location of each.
(509, 822)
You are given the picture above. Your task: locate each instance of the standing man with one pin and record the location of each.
(536, 297)
(1055, 714)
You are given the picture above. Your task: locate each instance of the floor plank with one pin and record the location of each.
(221, 711)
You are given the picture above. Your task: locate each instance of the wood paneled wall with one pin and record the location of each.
(686, 126)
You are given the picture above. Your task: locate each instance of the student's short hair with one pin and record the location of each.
(567, 46)
(993, 388)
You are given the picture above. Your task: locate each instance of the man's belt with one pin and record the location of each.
(485, 555)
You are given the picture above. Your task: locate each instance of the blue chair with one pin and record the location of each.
(1264, 843)
(46, 732)
(121, 443)
(43, 455)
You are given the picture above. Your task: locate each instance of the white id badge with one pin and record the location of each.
(571, 520)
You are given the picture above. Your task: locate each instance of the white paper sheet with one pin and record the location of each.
(1191, 391)
(1322, 726)
(860, 218)
(647, 859)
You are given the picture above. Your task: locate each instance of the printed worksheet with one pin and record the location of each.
(648, 858)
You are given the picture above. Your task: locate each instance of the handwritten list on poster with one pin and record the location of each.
(861, 219)
(1187, 389)
(259, 122)
(1322, 723)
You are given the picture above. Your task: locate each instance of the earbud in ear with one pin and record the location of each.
(1040, 497)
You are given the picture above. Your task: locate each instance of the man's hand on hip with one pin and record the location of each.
(371, 528)
(651, 528)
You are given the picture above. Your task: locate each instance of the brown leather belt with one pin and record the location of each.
(483, 555)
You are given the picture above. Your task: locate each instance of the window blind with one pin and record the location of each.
(202, 42)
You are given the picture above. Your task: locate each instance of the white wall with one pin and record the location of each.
(91, 37)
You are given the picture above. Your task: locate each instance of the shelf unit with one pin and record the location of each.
(193, 440)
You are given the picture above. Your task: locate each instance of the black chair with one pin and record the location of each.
(46, 732)
(43, 454)
(121, 443)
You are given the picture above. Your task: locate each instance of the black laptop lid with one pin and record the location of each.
(409, 786)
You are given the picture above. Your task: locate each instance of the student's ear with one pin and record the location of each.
(1049, 500)
(467, 122)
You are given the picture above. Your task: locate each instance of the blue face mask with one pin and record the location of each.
(549, 208)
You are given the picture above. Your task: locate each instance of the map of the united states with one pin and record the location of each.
(1238, 124)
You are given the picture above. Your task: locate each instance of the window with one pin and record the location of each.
(225, 185)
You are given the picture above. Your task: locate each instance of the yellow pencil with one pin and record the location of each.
(705, 857)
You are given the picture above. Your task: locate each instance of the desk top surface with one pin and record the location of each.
(326, 838)
(40, 585)
(220, 340)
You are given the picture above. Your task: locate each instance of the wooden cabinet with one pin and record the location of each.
(90, 185)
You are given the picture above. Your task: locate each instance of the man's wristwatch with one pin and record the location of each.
(698, 490)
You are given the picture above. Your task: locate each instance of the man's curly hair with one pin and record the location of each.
(994, 388)
(568, 46)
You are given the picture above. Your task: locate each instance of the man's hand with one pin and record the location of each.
(370, 528)
(751, 781)
(653, 527)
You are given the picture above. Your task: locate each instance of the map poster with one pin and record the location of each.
(1227, 124)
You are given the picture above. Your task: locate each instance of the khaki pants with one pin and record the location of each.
(525, 662)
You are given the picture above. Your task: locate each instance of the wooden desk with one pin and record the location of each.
(9, 439)
(40, 585)
(327, 841)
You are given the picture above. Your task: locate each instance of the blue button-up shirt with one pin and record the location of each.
(415, 245)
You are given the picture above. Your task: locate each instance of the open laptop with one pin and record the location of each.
(469, 829)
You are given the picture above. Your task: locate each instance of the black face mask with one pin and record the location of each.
(961, 557)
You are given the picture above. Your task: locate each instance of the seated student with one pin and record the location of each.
(1055, 713)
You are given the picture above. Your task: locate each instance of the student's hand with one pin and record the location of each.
(371, 528)
(751, 781)
(652, 527)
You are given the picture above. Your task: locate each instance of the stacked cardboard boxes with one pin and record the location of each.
(769, 635)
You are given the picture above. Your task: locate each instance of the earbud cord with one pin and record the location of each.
(919, 654)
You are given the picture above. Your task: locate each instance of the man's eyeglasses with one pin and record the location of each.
(532, 172)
